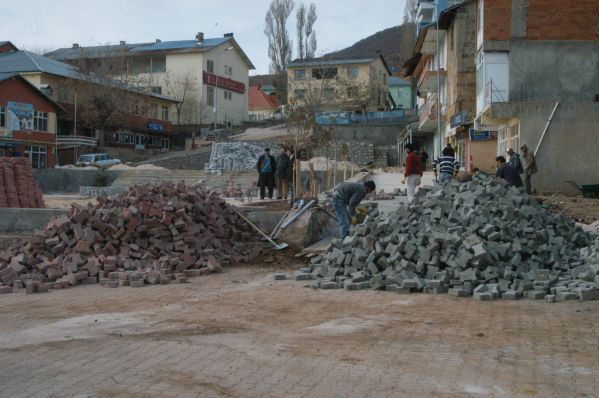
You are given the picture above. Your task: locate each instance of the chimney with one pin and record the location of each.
(123, 42)
(200, 37)
(228, 34)
(75, 45)
(158, 41)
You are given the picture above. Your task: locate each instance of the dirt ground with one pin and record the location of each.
(578, 208)
(241, 334)
(65, 201)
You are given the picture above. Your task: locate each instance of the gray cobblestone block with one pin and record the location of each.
(483, 296)
(565, 295)
(510, 295)
(137, 283)
(329, 285)
(365, 285)
(279, 276)
(92, 280)
(535, 295)
(587, 293)
(298, 276)
(6, 289)
(550, 298)
(112, 283)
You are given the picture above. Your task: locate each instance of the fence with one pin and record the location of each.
(398, 116)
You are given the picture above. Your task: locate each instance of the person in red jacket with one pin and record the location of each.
(413, 171)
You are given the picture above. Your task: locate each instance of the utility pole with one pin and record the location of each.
(438, 55)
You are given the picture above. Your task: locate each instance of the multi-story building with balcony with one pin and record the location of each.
(209, 76)
(537, 84)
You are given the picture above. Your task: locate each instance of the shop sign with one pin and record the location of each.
(155, 127)
(19, 116)
(480, 135)
(457, 120)
(227, 84)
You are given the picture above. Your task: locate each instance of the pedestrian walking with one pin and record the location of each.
(530, 167)
(507, 172)
(346, 196)
(413, 172)
(282, 173)
(450, 149)
(266, 166)
(446, 167)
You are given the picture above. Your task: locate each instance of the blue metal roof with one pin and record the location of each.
(180, 45)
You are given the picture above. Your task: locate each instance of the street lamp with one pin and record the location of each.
(215, 111)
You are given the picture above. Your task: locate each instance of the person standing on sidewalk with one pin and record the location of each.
(282, 174)
(413, 172)
(266, 166)
(424, 159)
(446, 167)
(349, 195)
(530, 167)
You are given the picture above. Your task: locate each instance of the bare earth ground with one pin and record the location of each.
(241, 334)
(584, 210)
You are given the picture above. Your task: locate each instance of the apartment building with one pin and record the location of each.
(28, 120)
(209, 76)
(97, 113)
(537, 84)
(358, 84)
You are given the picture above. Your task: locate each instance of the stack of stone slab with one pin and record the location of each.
(18, 189)
(480, 238)
(235, 156)
(152, 234)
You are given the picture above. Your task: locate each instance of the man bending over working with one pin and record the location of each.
(349, 194)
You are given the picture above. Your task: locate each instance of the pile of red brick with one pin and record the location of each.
(17, 186)
(152, 234)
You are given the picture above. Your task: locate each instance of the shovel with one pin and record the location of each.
(277, 246)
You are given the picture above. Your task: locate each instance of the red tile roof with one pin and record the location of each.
(258, 100)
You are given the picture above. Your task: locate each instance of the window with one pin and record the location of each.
(165, 144)
(38, 156)
(210, 66)
(154, 111)
(154, 140)
(2, 116)
(372, 72)
(141, 65)
(352, 92)
(328, 94)
(138, 108)
(462, 153)
(300, 94)
(156, 90)
(502, 142)
(228, 95)
(210, 95)
(228, 70)
(299, 74)
(40, 121)
(124, 137)
(324, 73)
(353, 72)
(158, 64)
(164, 115)
(62, 94)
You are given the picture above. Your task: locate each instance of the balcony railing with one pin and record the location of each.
(71, 141)
(428, 113)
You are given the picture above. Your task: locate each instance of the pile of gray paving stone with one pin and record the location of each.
(235, 156)
(480, 238)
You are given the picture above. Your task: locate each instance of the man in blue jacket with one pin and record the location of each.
(267, 166)
(349, 195)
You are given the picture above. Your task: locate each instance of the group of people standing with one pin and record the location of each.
(446, 167)
(276, 172)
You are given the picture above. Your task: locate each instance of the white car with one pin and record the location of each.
(97, 159)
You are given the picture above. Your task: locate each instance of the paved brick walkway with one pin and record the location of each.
(240, 334)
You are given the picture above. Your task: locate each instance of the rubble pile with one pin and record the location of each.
(152, 234)
(235, 156)
(17, 187)
(480, 238)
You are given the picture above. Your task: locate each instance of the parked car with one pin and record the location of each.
(97, 159)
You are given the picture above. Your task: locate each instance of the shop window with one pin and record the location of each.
(164, 114)
(38, 156)
(124, 137)
(210, 95)
(324, 73)
(40, 121)
(2, 116)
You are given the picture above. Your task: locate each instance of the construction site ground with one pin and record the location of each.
(242, 334)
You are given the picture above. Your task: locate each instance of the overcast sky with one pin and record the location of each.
(50, 24)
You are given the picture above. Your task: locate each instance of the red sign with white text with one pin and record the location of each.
(227, 84)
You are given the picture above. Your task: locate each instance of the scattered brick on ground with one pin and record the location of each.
(152, 234)
(480, 239)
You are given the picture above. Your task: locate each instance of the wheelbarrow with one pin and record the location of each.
(588, 191)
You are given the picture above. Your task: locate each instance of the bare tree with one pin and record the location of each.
(361, 94)
(279, 44)
(179, 86)
(306, 35)
(410, 11)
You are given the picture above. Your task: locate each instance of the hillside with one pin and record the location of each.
(396, 44)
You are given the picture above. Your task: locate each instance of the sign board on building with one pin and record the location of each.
(480, 135)
(228, 84)
(155, 127)
(457, 120)
(19, 116)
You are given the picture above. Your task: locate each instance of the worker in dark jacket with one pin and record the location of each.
(291, 174)
(267, 166)
(282, 174)
(348, 195)
(507, 172)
